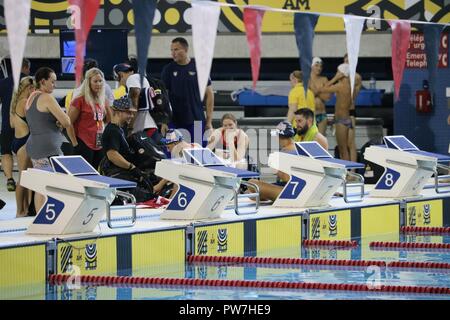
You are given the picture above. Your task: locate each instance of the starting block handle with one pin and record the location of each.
(359, 184)
(437, 178)
(132, 206)
(247, 195)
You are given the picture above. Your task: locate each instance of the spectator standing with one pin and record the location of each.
(44, 117)
(7, 133)
(180, 78)
(88, 113)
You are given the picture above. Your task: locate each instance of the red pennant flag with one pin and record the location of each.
(252, 22)
(83, 13)
(401, 30)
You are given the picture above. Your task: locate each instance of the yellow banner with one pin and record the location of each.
(283, 21)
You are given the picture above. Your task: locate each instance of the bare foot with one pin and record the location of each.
(21, 215)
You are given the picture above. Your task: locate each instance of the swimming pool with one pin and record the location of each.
(370, 276)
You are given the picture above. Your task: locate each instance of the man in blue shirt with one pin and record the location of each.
(180, 78)
(7, 133)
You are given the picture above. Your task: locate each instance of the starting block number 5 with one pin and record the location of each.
(50, 211)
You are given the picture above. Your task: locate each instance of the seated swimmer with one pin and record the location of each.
(270, 191)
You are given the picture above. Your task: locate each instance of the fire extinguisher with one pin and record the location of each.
(423, 99)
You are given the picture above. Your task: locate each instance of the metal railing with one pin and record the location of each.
(438, 178)
(131, 206)
(359, 184)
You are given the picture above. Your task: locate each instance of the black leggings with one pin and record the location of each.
(92, 156)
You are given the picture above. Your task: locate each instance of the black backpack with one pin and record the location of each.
(156, 100)
(145, 151)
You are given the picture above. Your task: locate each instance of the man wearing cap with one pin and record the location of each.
(114, 141)
(317, 81)
(175, 144)
(143, 121)
(180, 78)
(270, 191)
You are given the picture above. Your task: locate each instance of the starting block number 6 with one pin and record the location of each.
(182, 199)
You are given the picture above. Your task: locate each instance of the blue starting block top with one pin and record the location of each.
(238, 172)
(204, 157)
(77, 166)
(403, 144)
(314, 150)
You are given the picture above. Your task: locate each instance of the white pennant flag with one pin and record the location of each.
(205, 19)
(353, 27)
(17, 17)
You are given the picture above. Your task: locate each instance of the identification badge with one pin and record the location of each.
(98, 139)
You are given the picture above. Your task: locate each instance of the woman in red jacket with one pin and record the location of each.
(88, 113)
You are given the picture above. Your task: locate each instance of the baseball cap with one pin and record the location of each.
(316, 60)
(172, 135)
(283, 129)
(122, 104)
(122, 67)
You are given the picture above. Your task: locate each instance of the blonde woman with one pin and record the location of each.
(88, 113)
(230, 142)
(21, 133)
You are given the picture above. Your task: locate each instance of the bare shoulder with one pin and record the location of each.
(323, 80)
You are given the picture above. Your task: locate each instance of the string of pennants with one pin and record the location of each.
(205, 18)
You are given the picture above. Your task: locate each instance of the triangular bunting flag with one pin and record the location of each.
(144, 12)
(205, 19)
(88, 11)
(353, 28)
(401, 31)
(304, 25)
(252, 22)
(17, 17)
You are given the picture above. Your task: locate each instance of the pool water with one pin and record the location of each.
(320, 274)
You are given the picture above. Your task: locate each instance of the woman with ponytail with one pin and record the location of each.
(21, 134)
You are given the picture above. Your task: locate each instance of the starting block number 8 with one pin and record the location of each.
(388, 180)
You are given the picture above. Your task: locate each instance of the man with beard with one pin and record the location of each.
(306, 128)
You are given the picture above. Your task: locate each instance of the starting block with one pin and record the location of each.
(314, 176)
(205, 184)
(407, 169)
(77, 196)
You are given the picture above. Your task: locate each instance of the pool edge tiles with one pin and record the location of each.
(23, 272)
